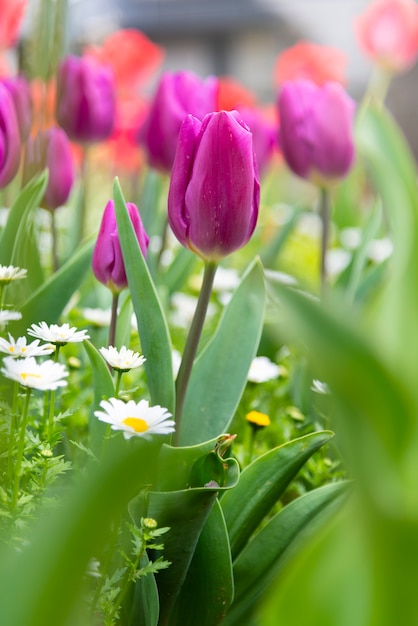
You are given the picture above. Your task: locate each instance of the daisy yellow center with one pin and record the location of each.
(257, 418)
(139, 425)
(25, 375)
(11, 349)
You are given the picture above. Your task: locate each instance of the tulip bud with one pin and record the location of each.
(108, 265)
(316, 130)
(19, 89)
(177, 95)
(214, 190)
(85, 99)
(9, 138)
(51, 149)
(387, 31)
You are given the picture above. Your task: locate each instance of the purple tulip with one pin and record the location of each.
(85, 99)
(19, 89)
(51, 149)
(264, 136)
(214, 190)
(177, 95)
(316, 129)
(9, 138)
(108, 265)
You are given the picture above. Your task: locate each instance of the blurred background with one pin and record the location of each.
(240, 38)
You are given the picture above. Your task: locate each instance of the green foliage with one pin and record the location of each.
(350, 575)
(220, 371)
(152, 324)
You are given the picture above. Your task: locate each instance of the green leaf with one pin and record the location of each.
(175, 463)
(263, 483)
(145, 606)
(376, 411)
(103, 388)
(394, 170)
(350, 278)
(208, 590)
(219, 374)
(51, 568)
(270, 254)
(259, 562)
(49, 301)
(27, 200)
(185, 512)
(178, 271)
(152, 325)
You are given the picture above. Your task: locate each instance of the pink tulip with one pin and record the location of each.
(51, 149)
(388, 33)
(9, 138)
(177, 95)
(85, 99)
(19, 89)
(108, 265)
(316, 129)
(214, 190)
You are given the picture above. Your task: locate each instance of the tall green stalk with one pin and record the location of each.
(20, 450)
(325, 219)
(192, 343)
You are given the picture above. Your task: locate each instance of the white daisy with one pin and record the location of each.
(9, 316)
(97, 317)
(48, 375)
(319, 387)
(123, 359)
(58, 335)
(135, 418)
(19, 348)
(262, 369)
(10, 272)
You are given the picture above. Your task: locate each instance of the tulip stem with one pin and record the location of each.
(325, 216)
(84, 193)
(113, 320)
(192, 343)
(55, 262)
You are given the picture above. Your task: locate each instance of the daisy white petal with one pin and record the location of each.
(97, 317)
(9, 316)
(58, 335)
(48, 375)
(135, 419)
(262, 370)
(10, 272)
(19, 348)
(123, 359)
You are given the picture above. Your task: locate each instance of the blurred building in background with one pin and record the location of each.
(242, 38)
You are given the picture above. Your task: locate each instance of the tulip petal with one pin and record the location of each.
(178, 216)
(221, 187)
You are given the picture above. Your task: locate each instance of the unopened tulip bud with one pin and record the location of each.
(51, 149)
(316, 130)
(19, 89)
(9, 138)
(177, 95)
(85, 99)
(214, 190)
(387, 32)
(108, 265)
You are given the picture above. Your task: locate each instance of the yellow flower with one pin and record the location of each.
(260, 420)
